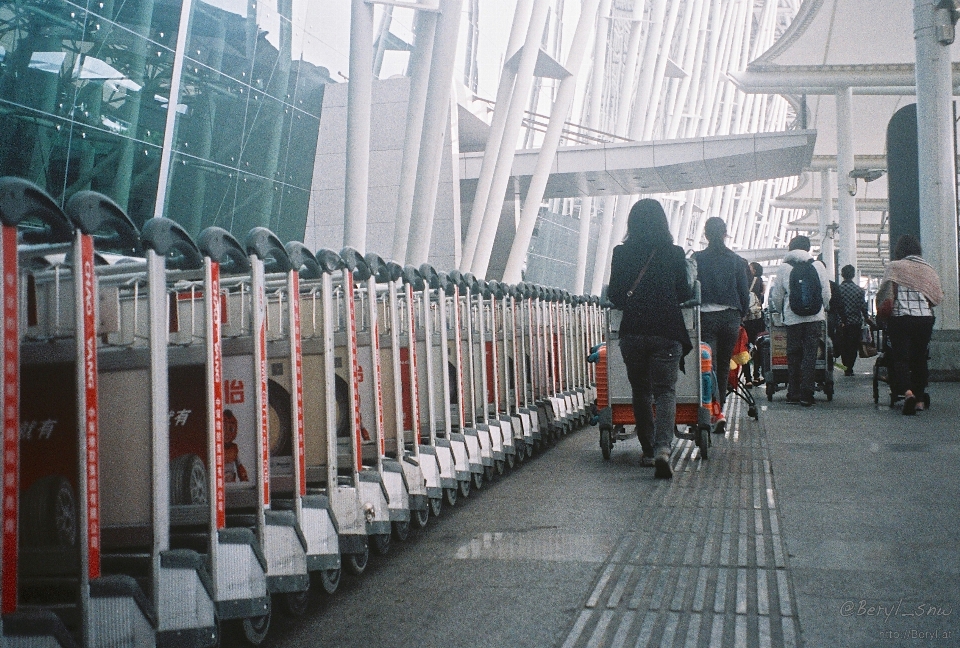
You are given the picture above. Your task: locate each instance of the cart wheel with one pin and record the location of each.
(295, 603)
(876, 390)
(606, 444)
(500, 466)
(925, 399)
(893, 400)
(420, 518)
(464, 489)
(436, 506)
(357, 563)
(381, 543)
(253, 630)
(48, 513)
(771, 388)
(401, 530)
(703, 442)
(521, 451)
(327, 579)
(829, 393)
(488, 474)
(752, 413)
(478, 480)
(450, 494)
(188, 480)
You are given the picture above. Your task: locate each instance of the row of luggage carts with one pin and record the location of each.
(195, 431)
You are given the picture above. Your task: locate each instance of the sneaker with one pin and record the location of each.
(910, 404)
(662, 463)
(646, 461)
(848, 372)
(719, 424)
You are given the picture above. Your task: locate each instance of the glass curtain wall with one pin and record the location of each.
(85, 90)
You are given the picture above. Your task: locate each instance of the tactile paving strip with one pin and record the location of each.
(704, 563)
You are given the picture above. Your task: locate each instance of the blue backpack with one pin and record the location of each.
(806, 296)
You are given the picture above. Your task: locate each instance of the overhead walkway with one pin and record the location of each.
(825, 526)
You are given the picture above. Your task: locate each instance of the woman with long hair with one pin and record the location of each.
(909, 290)
(648, 282)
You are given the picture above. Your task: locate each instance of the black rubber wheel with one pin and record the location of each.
(703, 442)
(771, 389)
(876, 391)
(328, 580)
(401, 529)
(296, 603)
(357, 563)
(48, 513)
(450, 494)
(478, 480)
(188, 481)
(511, 461)
(925, 399)
(752, 413)
(251, 631)
(381, 543)
(829, 393)
(436, 506)
(606, 443)
(500, 466)
(420, 518)
(893, 400)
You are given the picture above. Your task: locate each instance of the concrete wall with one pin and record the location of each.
(325, 216)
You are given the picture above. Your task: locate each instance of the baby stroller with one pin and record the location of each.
(883, 370)
(737, 378)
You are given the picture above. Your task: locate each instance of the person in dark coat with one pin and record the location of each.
(725, 300)
(648, 282)
(851, 311)
(755, 327)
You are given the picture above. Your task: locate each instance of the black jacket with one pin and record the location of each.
(723, 276)
(664, 287)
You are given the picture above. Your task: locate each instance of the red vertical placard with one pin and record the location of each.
(264, 414)
(92, 429)
(375, 356)
(414, 376)
(456, 328)
(352, 324)
(216, 315)
(11, 418)
(298, 381)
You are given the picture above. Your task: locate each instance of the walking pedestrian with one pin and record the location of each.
(909, 290)
(753, 323)
(724, 302)
(648, 282)
(799, 294)
(851, 311)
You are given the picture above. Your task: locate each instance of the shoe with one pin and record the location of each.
(719, 424)
(848, 372)
(840, 366)
(806, 402)
(793, 401)
(662, 463)
(909, 405)
(646, 461)
(758, 381)
(748, 385)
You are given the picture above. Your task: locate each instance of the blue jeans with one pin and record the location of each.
(652, 365)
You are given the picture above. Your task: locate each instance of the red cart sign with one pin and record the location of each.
(11, 418)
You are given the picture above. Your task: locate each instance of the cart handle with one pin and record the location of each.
(264, 244)
(302, 260)
(27, 206)
(355, 263)
(221, 247)
(172, 242)
(412, 277)
(392, 271)
(329, 261)
(97, 215)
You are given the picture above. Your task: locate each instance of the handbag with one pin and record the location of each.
(755, 311)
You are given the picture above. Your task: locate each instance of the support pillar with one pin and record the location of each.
(846, 184)
(827, 226)
(359, 100)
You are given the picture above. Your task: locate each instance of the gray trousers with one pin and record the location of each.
(652, 365)
(803, 340)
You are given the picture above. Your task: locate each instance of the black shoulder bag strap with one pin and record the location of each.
(643, 271)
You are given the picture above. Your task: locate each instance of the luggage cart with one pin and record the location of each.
(488, 428)
(694, 389)
(27, 211)
(216, 474)
(523, 369)
(421, 391)
(361, 301)
(774, 354)
(310, 512)
(332, 440)
(504, 389)
(61, 563)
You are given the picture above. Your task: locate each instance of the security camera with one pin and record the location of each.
(946, 13)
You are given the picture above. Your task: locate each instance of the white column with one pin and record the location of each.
(359, 99)
(845, 162)
(508, 147)
(548, 150)
(937, 165)
(827, 225)
(435, 123)
(416, 108)
(493, 148)
(630, 66)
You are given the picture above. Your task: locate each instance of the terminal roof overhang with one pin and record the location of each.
(657, 167)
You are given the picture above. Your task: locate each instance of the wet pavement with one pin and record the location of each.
(835, 525)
